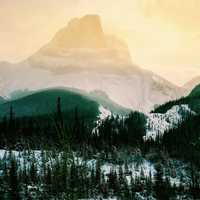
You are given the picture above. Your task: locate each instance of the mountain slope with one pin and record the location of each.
(103, 99)
(44, 102)
(2, 100)
(192, 83)
(195, 92)
(192, 100)
(159, 123)
(173, 114)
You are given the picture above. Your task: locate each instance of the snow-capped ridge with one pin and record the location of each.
(158, 123)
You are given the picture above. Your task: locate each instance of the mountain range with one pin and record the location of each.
(81, 55)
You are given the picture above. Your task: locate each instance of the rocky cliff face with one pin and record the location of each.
(85, 32)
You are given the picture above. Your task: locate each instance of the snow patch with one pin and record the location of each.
(104, 113)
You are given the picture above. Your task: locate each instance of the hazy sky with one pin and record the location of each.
(163, 35)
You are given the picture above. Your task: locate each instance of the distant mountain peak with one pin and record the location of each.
(84, 32)
(83, 45)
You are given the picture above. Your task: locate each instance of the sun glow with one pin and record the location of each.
(163, 35)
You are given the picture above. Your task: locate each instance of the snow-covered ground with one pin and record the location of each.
(138, 166)
(131, 170)
(26, 158)
(158, 123)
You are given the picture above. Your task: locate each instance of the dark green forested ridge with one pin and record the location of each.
(35, 103)
(195, 92)
(75, 129)
(2, 100)
(184, 141)
(43, 102)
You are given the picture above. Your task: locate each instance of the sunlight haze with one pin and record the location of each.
(163, 35)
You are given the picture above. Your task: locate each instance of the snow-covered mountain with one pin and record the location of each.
(82, 56)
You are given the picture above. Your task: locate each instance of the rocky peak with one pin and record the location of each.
(84, 32)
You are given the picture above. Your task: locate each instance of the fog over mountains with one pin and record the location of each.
(82, 56)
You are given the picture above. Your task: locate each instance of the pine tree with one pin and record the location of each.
(77, 127)
(48, 179)
(161, 189)
(59, 112)
(98, 174)
(14, 182)
(2, 187)
(11, 116)
(33, 173)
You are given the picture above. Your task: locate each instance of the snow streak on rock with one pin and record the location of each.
(104, 113)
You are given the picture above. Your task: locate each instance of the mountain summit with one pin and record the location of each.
(82, 45)
(85, 32)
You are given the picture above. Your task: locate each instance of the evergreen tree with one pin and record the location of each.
(59, 112)
(33, 173)
(14, 182)
(160, 188)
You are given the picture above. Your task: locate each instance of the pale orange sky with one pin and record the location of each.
(163, 35)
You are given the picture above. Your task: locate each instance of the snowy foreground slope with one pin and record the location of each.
(133, 165)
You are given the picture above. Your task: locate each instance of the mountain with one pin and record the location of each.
(82, 45)
(85, 32)
(44, 102)
(192, 100)
(36, 103)
(195, 92)
(2, 100)
(103, 99)
(173, 114)
(192, 83)
(17, 94)
(159, 123)
(83, 56)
